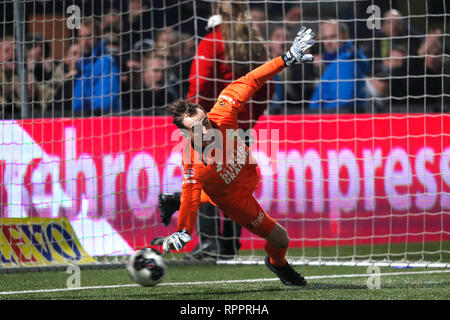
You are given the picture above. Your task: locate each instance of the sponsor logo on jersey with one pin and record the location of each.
(229, 99)
(189, 173)
(257, 222)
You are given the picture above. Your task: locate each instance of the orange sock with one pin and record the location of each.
(277, 256)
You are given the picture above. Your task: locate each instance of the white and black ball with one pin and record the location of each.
(147, 267)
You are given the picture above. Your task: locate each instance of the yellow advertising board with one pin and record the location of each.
(39, 241)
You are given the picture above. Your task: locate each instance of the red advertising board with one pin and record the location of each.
(349, 179)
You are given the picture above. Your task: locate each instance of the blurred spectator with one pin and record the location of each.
(342, 85)
(392, 28)
(157, 93)
(223, 55)
(185, 63)
(291, 84)
(140, 50)
(59, 91)
(168, 44)
(7, 54)
(394, 31)
(396, 59)
(112, 27)
(259, 19)
(137, 24)
(111, 35)
(277, 46)
(132, 86)
(111, 19)
(39, 71)
(429, 78)
(220, 59)
(397, 65)
(97, 84)
(188, 45)
(10, 98)
(9, 82)
(166, 38)
(277, 43)
(164, 52)
(38, 59)
(293, 16)
(378, 88)
(143, 46)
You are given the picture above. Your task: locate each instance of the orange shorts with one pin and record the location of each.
(247, 212)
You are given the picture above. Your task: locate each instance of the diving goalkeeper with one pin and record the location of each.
(230, 184)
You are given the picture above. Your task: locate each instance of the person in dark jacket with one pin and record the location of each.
(342, 85)
(59, 89)
(157, 92)
(429, 82)
(394, 31)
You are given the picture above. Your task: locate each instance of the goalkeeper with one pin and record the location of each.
(230, 186)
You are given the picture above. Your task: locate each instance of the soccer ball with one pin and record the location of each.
(147, 267)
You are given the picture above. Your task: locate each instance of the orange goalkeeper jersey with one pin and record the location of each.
(235, 177)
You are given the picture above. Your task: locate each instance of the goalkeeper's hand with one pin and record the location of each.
(302, 42)
(176, 241)
(168, 203)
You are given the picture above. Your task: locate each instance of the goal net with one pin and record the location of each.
(353, 149)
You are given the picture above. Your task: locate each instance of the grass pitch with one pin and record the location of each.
(231, 282)
(252, 282)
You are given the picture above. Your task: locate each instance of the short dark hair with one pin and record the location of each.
(181, 108)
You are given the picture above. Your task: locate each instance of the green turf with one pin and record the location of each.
(409, 286)
(322, 281)
(413, 251)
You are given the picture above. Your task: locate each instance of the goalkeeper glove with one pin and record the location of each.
(168, 204)
(176, 241)
(302, 42)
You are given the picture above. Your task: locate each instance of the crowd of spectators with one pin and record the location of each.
(118, 63)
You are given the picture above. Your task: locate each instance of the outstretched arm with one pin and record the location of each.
(234, 97)
(190, 202)
(241, 90)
